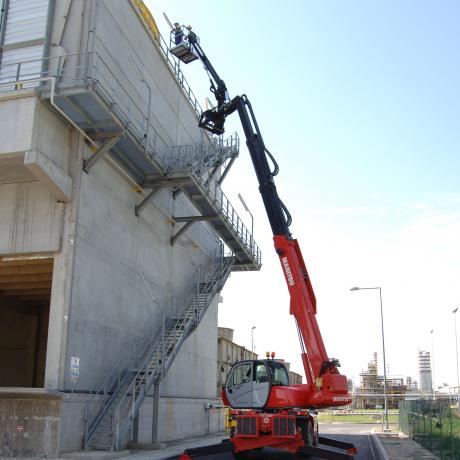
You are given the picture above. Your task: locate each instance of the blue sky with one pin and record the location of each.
(360, 103)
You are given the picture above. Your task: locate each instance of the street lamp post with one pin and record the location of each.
(252, 218)
(252, 339)
(456, 352)
(385, 395)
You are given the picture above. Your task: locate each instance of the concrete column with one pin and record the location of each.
(62, 278)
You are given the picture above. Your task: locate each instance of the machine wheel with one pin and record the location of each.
(315, 432)
(309, 432)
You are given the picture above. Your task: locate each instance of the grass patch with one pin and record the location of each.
(367, 417)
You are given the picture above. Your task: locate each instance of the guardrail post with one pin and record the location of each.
(86, 428)
(116, 431)
(155, 410)
(133, 399)
(162, 343)
(18, 76)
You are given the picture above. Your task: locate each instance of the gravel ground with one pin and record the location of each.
(398, 448)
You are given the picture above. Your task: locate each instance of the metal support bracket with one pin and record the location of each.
(195, 218)
(175, 237)
(226, 171)
(162, 181)
(101, 151)
(213, 173)
(189, 220)
(176, 192)
(139, 207)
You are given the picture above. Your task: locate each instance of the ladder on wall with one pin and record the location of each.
(127, 388)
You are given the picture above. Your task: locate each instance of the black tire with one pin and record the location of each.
(315, 432)
(309, 431)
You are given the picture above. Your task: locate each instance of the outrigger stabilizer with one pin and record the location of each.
(227, 446)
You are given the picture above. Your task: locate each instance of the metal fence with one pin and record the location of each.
(433, 424)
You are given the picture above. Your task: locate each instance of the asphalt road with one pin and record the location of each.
(350, 432)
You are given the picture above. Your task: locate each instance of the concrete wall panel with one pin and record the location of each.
(111, 307)
(29, 427)
(193, 373)
(30, 219)
(72, 421)
(182, 418)
(52, 136)
(17, 118)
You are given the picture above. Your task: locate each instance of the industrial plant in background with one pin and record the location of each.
(425, 374)
(115, 235)
(370, 394)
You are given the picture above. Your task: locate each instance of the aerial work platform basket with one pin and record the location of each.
(180, 45)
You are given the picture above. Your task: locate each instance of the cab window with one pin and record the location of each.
(279, 374)
(261, 375)
(241, 374)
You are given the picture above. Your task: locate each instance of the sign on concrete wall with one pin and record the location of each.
(74, 369)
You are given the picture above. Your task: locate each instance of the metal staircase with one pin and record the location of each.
(126, 387)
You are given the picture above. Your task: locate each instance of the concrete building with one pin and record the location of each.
(115, 235)
(424, 369)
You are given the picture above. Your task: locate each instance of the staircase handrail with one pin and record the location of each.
(107, 387)
(210, 290)
(231, 216)
(128, 360)
(147, 356)
(142, 377)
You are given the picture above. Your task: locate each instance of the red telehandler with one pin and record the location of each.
(265, 410)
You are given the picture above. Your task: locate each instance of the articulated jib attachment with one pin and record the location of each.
(291, 430)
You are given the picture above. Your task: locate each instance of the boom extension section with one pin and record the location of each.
(259, 390)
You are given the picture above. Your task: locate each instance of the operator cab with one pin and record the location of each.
(249, 383)
(181, 39)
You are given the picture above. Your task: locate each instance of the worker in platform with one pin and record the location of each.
(190, 33)
(178, 34)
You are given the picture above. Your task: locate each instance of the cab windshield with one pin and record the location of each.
(278, 373)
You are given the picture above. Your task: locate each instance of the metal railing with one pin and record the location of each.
(149, 371)
(91, 69)
(230, 216)
(133, 372)
(201, 157)
(95, 410)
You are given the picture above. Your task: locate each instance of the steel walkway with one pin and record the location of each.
(106, 108)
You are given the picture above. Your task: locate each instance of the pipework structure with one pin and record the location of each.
(116, 237)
